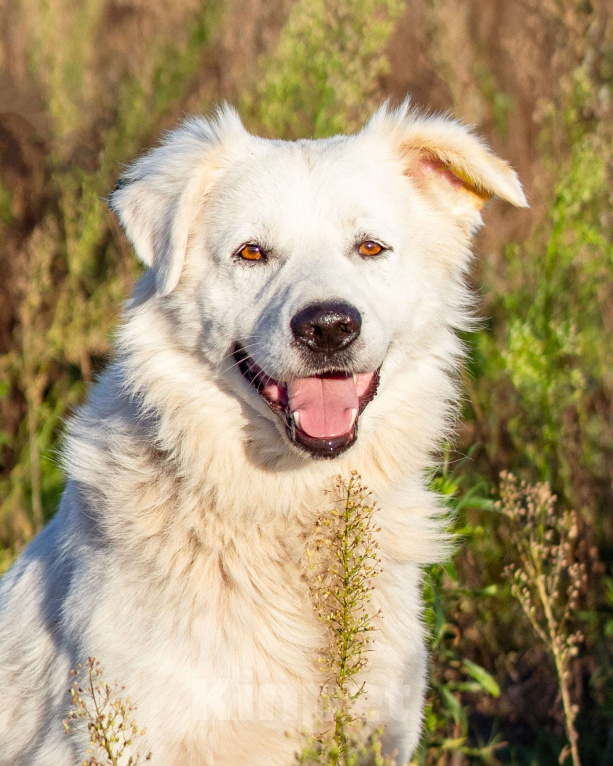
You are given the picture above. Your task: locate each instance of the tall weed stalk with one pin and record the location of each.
(548, 581)
(343, 566)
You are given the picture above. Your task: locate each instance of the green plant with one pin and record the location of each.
(323, 77)
(458, 683)
(343, 564)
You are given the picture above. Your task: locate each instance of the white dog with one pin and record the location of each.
(301, 303)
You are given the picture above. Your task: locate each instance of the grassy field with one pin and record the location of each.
(522, 618)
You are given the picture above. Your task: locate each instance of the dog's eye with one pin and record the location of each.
(370, 248)
(251, 253)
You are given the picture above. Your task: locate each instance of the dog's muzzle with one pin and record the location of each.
(320, 411)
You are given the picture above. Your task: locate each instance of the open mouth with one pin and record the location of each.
(321, 411)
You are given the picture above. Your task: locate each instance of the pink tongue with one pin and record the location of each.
(325, 406)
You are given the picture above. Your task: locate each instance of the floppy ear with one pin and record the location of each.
(448, 162)
(159, 194)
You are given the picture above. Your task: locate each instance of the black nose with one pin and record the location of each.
(326, 327)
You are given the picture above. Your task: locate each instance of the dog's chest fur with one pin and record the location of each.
(227, 618)
(228, 637)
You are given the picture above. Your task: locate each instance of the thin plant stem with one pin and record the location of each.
(547, 580)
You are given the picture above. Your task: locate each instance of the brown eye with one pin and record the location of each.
(251, 253)
(370, 248)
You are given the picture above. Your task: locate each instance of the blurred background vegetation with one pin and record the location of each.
(87, 84)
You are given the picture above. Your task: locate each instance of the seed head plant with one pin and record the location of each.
(345, 562)
(97, 706)
(547, 580)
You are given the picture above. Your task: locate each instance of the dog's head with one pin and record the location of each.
(306, 272)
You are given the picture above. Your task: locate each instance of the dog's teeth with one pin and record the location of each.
(354, 414)
(355, 379)
(296, 417)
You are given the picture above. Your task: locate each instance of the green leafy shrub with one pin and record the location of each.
(324, 76)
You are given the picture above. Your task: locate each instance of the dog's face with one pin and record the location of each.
(312, 263)
(310, 280)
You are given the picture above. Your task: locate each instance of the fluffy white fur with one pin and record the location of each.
(176, 557)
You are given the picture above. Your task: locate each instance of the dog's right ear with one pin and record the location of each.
(158, 196)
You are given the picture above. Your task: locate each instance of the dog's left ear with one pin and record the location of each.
(449, 163)
(159, 195)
